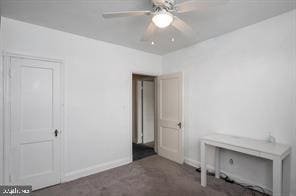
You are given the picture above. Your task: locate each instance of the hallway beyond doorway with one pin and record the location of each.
(141, 151)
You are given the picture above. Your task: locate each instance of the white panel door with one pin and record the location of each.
(170, 117)
(35, 122)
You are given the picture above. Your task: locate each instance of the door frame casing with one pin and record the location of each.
(156, 131)
(155, 75)
(7, 113)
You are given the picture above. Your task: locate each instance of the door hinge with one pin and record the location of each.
(9, 73)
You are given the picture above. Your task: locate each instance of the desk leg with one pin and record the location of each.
(277, 177)
(217, 162)
(203, 165)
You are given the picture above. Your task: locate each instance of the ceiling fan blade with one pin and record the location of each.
(195, 5)
(149, 32)
(182, 27)
(126, 14)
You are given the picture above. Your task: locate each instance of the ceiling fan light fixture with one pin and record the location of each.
(162, 19)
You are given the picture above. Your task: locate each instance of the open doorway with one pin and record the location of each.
(144, 116)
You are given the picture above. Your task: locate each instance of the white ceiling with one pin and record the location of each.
(83, 17)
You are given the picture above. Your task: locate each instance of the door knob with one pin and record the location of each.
(56, 133)
(180, 125)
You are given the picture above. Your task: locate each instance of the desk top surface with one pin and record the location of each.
(252, 144)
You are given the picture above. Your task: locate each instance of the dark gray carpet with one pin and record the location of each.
(151, 176)
(141, 151)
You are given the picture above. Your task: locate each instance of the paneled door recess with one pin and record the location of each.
(170, 117)
(35, 93)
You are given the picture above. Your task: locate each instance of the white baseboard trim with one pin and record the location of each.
(195, 163)
(95, 169)
(236, 178)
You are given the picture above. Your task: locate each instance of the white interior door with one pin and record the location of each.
(35, 116)
(170, 116)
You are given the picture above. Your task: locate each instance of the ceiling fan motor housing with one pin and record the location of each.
(159, 5)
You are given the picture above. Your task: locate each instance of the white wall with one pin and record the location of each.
(1, 109)
(148, 111)
(241, 83)
(98, 81)
(139, 111)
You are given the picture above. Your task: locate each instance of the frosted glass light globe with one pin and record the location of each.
(162, 19)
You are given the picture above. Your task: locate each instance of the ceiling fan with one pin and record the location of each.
(163, 15)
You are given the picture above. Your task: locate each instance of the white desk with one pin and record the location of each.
(259, 148)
